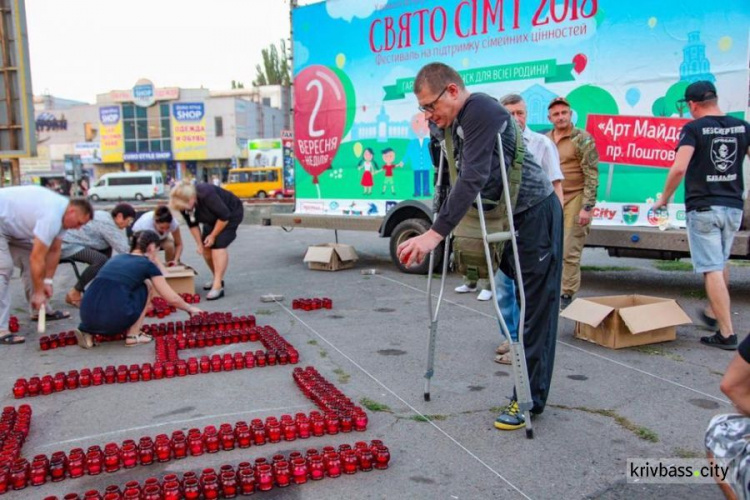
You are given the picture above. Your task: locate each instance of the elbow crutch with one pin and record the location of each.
(440, 197)
(517, 353)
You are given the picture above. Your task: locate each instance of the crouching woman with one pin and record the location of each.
(118, 298)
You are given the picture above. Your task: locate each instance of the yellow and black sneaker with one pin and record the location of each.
(510, 419)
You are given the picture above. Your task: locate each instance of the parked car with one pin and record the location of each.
(128, 186)
(282, 193)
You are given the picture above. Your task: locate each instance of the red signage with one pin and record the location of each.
(636, 140)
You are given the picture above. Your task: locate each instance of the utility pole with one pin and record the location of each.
(293, 4)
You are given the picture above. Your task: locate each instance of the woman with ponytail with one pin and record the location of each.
(117, 299)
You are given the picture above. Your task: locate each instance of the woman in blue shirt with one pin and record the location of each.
(116, 301)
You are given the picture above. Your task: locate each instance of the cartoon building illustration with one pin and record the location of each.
(381, 129)
(537, 98)
(695, 65)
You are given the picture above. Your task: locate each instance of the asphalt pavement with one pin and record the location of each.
(605, 406)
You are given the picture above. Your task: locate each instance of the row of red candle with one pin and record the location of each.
(13, 325)
(312, 304)
(165, 328)
(160, 308)
(14, 428)
(267, 335)
(64, 339)
(19, 473)
(261, 475)
(325, 394)
(46, 385)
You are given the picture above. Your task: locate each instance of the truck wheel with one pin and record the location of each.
(261, 194)
(406, 230)
(139, 197)
(94, 197)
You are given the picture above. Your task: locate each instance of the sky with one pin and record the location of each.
(81, 48)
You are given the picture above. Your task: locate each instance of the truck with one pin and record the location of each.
(360, 142)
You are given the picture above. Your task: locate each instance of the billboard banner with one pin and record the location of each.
(112, 143)
(623, 66)
(189, 131)
(89, 152)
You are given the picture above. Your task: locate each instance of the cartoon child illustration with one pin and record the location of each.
(367, 163)
(389, 157)
(418, 155)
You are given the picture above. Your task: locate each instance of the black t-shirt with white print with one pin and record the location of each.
(714, 174)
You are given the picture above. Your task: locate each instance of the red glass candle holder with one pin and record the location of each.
(264, 476)
(247, 481)
(333, 467)
(129, 456)
(191, 489)
(382, 457)
(317, 469)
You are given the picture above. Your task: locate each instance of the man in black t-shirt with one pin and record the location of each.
(709, 156)
(476, 120)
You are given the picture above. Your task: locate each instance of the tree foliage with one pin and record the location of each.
(275, 67)
(588, 99)
(670, 104)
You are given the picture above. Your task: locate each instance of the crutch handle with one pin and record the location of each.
(498, 237)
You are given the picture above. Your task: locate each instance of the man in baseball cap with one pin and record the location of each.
(699, 92)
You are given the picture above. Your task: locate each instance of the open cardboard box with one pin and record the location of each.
(626, 320)
(330, 257)
(181, 278)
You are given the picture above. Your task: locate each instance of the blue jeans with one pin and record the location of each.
(506, 300)
(710, 234)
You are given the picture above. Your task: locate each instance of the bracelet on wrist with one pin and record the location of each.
(48, 281)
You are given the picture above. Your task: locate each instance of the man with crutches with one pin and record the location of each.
(475, 121)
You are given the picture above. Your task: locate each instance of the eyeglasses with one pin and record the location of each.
(430, 107)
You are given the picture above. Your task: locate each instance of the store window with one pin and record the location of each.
(146, 129)
(219, 126)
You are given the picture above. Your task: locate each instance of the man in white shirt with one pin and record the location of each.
(544, 152)
(542, 149)
(33, 220)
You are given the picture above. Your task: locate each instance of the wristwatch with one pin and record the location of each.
(587, 208)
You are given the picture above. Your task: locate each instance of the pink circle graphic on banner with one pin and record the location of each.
(319, 118)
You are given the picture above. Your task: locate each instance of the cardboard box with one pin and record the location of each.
(626, 320)
(330, 257)
(181, 279)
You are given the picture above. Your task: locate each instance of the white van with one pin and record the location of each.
(128, 186)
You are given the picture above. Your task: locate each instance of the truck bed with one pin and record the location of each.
(630, 241)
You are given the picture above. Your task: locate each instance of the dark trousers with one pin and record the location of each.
(539, 233)
(95, 260)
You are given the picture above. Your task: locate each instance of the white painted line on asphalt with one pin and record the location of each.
(599, 356)
(171, 422)
(389, 390)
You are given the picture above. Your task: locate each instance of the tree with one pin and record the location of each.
(589, 99)
(275, 67)
(671, 103)
(237, 85)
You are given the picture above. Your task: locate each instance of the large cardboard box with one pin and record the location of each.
(181, 279)
(626, 320)
(330, 257)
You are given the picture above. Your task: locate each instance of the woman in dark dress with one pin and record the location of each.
(117, 299)
(220, 213)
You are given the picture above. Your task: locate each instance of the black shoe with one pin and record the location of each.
(565, 301)
(210, 285)
(708, 320)
(215, 294)
(716, 340)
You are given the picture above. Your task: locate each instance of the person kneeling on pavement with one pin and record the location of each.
(119, 297)
(727, 435)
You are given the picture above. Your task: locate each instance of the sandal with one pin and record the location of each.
(134, 340)
(73, 302)
(53, 316)
(503, 359)
(11, 339)
(85, 340)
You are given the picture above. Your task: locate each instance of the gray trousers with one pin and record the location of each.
(13, 253)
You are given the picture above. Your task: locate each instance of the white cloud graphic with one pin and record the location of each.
(349, 9)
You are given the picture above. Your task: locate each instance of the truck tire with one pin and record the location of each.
(408, 229)
(94, 197)
(139, 197)
(261, 195)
